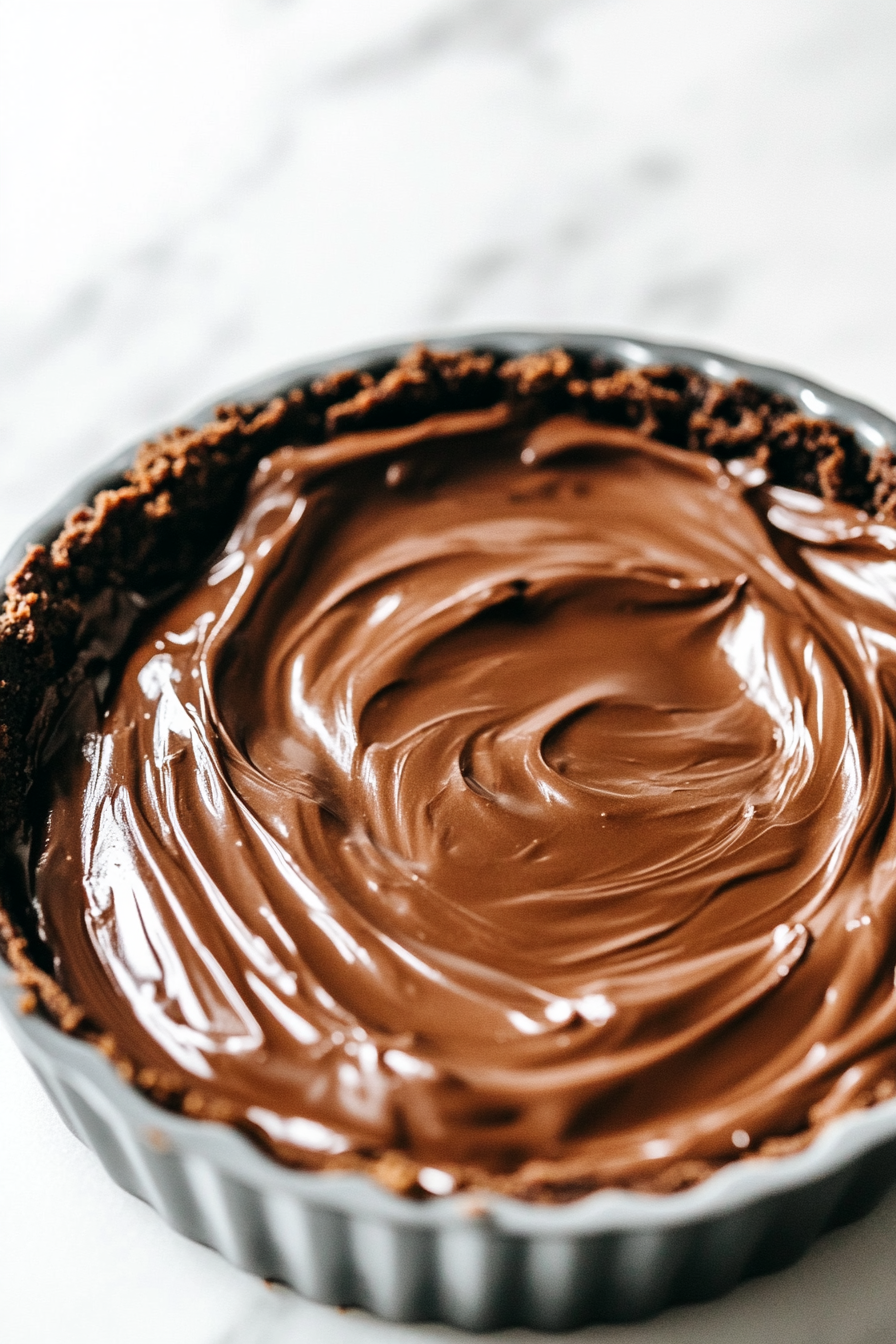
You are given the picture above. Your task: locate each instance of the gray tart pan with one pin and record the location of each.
(478, 1261)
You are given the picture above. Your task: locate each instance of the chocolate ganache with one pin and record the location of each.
(514, 796)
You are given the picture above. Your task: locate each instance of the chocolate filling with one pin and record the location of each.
(510, 793)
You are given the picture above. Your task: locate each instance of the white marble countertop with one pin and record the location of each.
(198, 191)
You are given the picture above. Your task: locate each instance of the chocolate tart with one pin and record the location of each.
(519, 1233)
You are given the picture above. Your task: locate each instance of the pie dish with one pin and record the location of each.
(478, 1257)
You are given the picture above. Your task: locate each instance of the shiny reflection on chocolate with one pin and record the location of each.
(502, 795)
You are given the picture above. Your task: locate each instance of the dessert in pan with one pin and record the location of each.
(474, 771)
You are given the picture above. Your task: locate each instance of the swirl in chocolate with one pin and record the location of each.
(519, 798)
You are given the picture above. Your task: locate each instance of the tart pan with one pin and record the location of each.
(476, 1260)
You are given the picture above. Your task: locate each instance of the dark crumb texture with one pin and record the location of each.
(182, 495)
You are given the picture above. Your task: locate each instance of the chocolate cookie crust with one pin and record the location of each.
(182, 493)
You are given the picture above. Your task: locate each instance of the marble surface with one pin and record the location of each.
(197, 191)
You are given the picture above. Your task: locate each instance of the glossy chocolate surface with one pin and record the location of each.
(504, 795)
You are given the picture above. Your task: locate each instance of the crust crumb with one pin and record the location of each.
(396, 1171)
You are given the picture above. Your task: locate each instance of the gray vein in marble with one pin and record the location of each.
(507, 27)
(563, 233)
(137, 276)
(687, 298)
